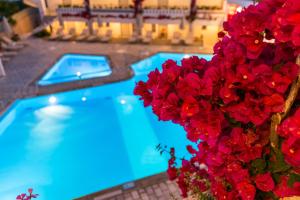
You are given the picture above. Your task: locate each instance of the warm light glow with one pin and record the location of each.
(234, 8)
(239, 9)
(123, 101)
(52, 100)
(83, 99)
(186, 56)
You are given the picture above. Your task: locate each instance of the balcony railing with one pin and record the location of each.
(148, 13)
(70, 10)
(114, 15)
(151, 12)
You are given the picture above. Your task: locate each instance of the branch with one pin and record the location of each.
(278, 117)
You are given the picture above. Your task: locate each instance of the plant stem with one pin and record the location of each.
(278, 117)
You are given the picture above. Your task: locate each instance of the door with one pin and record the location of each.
(162, 31)
(125, 30)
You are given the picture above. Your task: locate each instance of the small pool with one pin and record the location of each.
(71, 144)
(72, 67)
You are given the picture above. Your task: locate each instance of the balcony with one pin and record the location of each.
(164, 15)
(69, 10)
(123, 15)
(150, 15)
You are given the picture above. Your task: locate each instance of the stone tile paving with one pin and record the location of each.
(156, 187)
(33, 61)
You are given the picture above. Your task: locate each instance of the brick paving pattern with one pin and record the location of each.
(156, 187)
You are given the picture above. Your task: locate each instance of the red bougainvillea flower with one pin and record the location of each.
(290, 70)
(153, 79)
(219, 191)
(172, 173)
(283, 190)
(170, 109)
(226, 106)
(296, 35)
(279, 83)
(142, 90)
(246, 190)
(254, 45)
(291, 150)
(228, 93)
(286, 21)
(265, 182)
(244, 75)
(274, 102)
(24, 196)
(291, 126)
(189, 107)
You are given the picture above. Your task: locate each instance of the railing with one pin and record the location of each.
(69, 10)
(211, 15)
(151, 12)
(114, 10)
(148, 13)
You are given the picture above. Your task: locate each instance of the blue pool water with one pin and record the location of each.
(70, 144)
(72, 67)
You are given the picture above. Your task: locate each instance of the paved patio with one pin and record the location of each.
(33, 61)
(156, 187)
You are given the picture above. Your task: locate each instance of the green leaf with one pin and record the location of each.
(276, 178)
(259, 165)
(265, 195)
(293, 178)
(232, 121)
(279, 165)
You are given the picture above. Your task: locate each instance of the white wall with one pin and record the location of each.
(104, 2)
(27, 20)
(151, 3)
(179, 3)
(218, 3)
(53, 5)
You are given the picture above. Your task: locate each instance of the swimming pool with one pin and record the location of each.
(74, 143)
(72, 67)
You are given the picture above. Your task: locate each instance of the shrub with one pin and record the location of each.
(241, 109)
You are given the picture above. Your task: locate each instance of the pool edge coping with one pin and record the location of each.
(121, 188)
(41, 74)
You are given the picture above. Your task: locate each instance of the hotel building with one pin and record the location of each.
(162, 18)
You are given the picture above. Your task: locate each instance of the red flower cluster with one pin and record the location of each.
(226, 104)
(290, 130)
(24, 196)
(287, 24)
